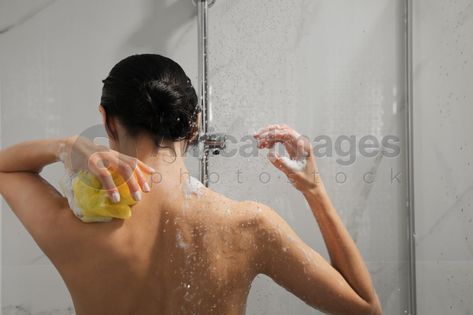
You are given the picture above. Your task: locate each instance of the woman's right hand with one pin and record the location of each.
(300, 167)
(80, 153)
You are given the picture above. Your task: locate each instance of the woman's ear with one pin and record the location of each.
(109, 123)
(104, 116)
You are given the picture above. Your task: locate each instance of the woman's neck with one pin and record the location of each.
(167, 160)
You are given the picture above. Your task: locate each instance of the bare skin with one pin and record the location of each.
(179, 253)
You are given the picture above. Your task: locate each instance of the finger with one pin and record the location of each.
(134, 162)
(265, 130)
(146, 167)
(282, 136)
(270, 128)
(100, 165)
(106, 179)
(268, 144)
(137, 168)
(303, 147)
(141, 180)
(276, 135)
(263, 143)
(127, 173)
(296, 145)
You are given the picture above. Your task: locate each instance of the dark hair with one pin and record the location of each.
(151, 93)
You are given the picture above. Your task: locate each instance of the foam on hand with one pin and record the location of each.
(90, 202)
(295, 165)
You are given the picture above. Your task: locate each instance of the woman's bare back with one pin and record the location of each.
(185, 251)
(177, 254)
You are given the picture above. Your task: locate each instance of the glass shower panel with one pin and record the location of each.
(334, 71)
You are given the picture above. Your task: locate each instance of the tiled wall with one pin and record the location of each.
(443, 92)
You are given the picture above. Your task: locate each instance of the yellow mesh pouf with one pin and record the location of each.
(90, 202)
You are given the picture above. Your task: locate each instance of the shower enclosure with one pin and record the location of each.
(338, 74)
(360, 79)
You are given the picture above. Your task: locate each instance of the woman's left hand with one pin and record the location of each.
(300, 167)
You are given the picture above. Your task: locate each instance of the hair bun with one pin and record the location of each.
(151, 94)
(168, 103)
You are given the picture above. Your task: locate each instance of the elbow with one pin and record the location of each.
(375, 307)
(371, 307)
(367, 309)
(377, 310)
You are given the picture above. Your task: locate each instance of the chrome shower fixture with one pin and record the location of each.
(210, 2)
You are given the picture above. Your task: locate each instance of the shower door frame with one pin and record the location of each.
(409, 138)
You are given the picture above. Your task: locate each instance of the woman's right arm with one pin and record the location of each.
(342, 287)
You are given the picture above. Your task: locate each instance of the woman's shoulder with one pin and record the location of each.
(239, 212)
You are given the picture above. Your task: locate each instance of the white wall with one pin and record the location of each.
(443, 96)
(51, 66)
